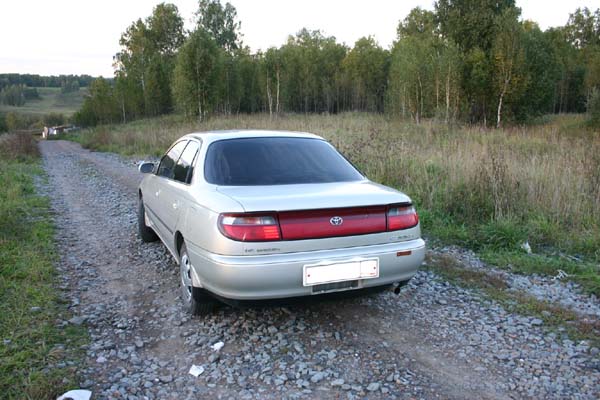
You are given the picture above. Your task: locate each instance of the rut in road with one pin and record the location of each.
(380, 346)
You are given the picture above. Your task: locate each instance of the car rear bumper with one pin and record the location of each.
(281, 275)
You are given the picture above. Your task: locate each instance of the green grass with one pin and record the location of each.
(30, 340)
(485, 189)
(51, 101)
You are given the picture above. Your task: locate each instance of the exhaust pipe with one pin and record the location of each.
(396, 287)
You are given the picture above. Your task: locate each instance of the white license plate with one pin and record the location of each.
(316, 274)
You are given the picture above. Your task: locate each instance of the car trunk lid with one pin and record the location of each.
(337, 195)
(313, 211)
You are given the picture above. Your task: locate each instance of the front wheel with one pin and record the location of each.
(146, 233)
(195, 300)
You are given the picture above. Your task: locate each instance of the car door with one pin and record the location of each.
(157, 202)
(175, 192)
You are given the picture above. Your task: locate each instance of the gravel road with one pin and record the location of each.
(434, 340)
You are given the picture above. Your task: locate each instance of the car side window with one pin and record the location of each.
(167, 163)
(183, 168)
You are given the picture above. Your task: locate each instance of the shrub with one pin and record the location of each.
(54, 119)
(18, 147)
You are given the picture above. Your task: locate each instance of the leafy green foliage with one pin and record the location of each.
(54, 119)
(99, 107)
(468, 60)
(197, 72)
(424, 72)
(145, 64)
(13, 95)
(220, 23)
(366, 68)
(54, 81)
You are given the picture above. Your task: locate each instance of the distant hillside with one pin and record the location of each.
(51, 101)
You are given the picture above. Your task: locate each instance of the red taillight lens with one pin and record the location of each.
(250, 227)
(401, 217)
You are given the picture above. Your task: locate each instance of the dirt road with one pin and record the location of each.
(434, 340)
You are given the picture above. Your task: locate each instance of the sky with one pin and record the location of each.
(81, 37)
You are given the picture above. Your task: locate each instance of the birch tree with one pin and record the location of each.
(508, 58)
(197, 71)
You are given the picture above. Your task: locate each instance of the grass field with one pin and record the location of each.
(51, 101)
(488, 190)
(30, 341)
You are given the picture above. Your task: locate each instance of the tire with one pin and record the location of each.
(196, 301)
(146, 233)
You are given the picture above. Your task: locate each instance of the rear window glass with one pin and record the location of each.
(275, 161)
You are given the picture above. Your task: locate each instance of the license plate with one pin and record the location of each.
(316, 274)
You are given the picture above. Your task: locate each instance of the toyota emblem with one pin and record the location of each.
(336, 221)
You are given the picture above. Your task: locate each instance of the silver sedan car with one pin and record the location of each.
(254, 215)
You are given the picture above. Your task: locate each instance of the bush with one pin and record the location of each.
(54, 119)
(18, 147)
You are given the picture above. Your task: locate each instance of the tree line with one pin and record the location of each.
(469, 60)
(32, 80)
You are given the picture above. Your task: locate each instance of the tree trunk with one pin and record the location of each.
(403, 101)
(499, 114)
(421, 93)
(199, 108)
(484, 115)
(277, 98)
(437, 93)
(269, 98)
(123, 108)
(199, 91)
(417, 118)
(448, 96)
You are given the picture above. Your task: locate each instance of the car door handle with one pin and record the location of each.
(175, 205)
(157, 193)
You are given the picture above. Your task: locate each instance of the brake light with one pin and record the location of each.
(250, 227)
(401, 217)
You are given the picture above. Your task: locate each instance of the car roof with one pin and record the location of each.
(213, 136)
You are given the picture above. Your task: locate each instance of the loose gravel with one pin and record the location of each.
(434, 340)
(556, 290)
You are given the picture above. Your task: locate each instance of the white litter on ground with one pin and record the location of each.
(561, 275)
(78, 394)
(196, 370)
(525, 246)
(218, 346)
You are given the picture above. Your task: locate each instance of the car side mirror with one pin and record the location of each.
(146, 167)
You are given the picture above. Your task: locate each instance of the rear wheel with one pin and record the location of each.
(196, 301)
(146, 233)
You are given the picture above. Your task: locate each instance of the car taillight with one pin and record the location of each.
(250, 227)
(401, 217)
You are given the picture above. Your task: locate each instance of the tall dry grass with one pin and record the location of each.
(543, 179)
(18, 146)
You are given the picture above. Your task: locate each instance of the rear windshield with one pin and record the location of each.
(275, 161)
